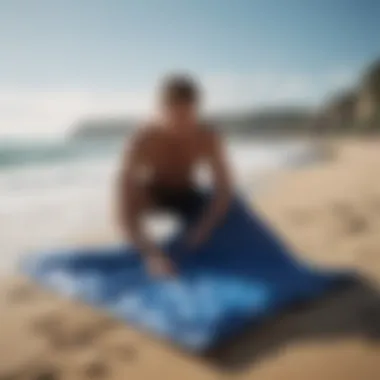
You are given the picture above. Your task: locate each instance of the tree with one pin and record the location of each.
(371, 82)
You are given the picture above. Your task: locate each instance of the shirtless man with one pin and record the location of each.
(158, 168)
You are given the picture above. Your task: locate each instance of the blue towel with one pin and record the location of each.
(241, 275)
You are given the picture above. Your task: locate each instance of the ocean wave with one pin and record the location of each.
(21, 154)
(53, 195)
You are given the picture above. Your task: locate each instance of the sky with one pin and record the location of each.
(65, 60)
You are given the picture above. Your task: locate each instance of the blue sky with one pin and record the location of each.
(63, 59)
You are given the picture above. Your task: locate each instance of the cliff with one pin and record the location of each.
(359, 108)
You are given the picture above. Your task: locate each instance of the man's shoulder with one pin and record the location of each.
(146, 132)
(207, 127)
(209, 132)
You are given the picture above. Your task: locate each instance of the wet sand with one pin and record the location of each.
(328, 213)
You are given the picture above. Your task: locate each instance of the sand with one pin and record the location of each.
(329, 213)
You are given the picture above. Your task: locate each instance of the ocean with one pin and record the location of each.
(57, 194)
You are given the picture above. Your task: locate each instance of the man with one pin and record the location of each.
(158, 172)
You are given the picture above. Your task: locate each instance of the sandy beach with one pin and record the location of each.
(329, 213)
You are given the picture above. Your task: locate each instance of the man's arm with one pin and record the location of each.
(132, 202)
(218, 207)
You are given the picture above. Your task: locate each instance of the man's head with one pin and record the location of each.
(180, 98)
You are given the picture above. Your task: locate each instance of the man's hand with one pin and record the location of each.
(158, 265)
(218, 206)
(196, 238)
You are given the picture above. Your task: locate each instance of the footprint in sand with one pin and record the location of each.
(95, 369)
(356, 225)
(352, 222)
(47, 324)
(21, 293)
(50, 326)
(83, 335)
(33, 372)
(126, 352)
(61, 334)
(45, 375)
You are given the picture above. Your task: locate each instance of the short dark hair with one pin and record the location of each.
(180, 88)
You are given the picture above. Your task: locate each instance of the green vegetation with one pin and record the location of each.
(357, 111)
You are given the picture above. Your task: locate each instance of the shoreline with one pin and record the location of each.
(53, 207)
(328, 213)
